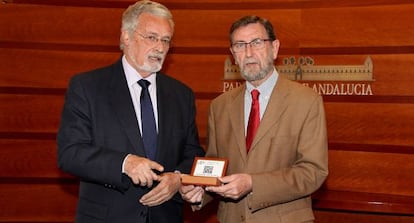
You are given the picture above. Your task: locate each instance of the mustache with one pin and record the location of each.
(159, 56)
(249, 61)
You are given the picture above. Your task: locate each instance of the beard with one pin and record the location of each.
(150, 68)
(153, 63)
(256, 73)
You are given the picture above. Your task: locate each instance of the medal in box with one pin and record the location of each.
(206, 171)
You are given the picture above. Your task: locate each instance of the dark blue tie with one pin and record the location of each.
(149, 130)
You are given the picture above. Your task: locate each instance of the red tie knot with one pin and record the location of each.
(255, 94)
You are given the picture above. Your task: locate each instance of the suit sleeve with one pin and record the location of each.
(77, 152)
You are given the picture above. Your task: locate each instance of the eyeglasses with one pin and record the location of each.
(255, 44)
(153, 40)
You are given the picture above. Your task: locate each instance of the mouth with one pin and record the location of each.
(250, 64)
(156, 59)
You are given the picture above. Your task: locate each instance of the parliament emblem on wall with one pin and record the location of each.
(324, 79)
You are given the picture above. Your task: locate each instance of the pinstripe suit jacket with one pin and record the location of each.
(99, 128)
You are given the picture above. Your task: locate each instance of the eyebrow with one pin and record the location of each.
(158, 35)
(243, 41)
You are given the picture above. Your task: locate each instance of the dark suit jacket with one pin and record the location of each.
(99, 128)
(288, 159)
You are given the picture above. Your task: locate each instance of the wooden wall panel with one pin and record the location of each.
(369, 172)
(57, 203)
(207, 69)
(212, 31)
(38, 202)
(349, 170)
(30, 113)
(37, 158)
(347, 122)
(370, 123)
(353, 26)
(343, 217)
(41, 114)
(358, 26)
(44, 43)
(36, 68)
(202, 111)
(55, 24)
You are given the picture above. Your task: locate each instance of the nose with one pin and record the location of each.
(248, 49)
(159, 46)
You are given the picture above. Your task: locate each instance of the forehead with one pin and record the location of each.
(154, 24)
(249, 32)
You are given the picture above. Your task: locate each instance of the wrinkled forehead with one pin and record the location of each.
(153, 24)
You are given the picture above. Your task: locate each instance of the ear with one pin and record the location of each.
(125, 37)
(275, 46)
(234, 55)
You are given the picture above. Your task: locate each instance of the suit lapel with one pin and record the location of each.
(236, 114)
(165, 115)
(124, 109)
(274, 110)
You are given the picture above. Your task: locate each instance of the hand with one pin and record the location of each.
(164, 191)
(140, 170)
(192, 194)
(234, 186)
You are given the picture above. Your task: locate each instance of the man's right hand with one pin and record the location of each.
(140, 170)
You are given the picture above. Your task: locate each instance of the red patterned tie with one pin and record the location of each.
(254, 119)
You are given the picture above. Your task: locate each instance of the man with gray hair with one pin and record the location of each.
(128, 131)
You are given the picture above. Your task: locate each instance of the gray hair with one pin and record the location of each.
(131, 14)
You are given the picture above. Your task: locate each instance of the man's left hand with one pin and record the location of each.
(164, 191)
(234, 186)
